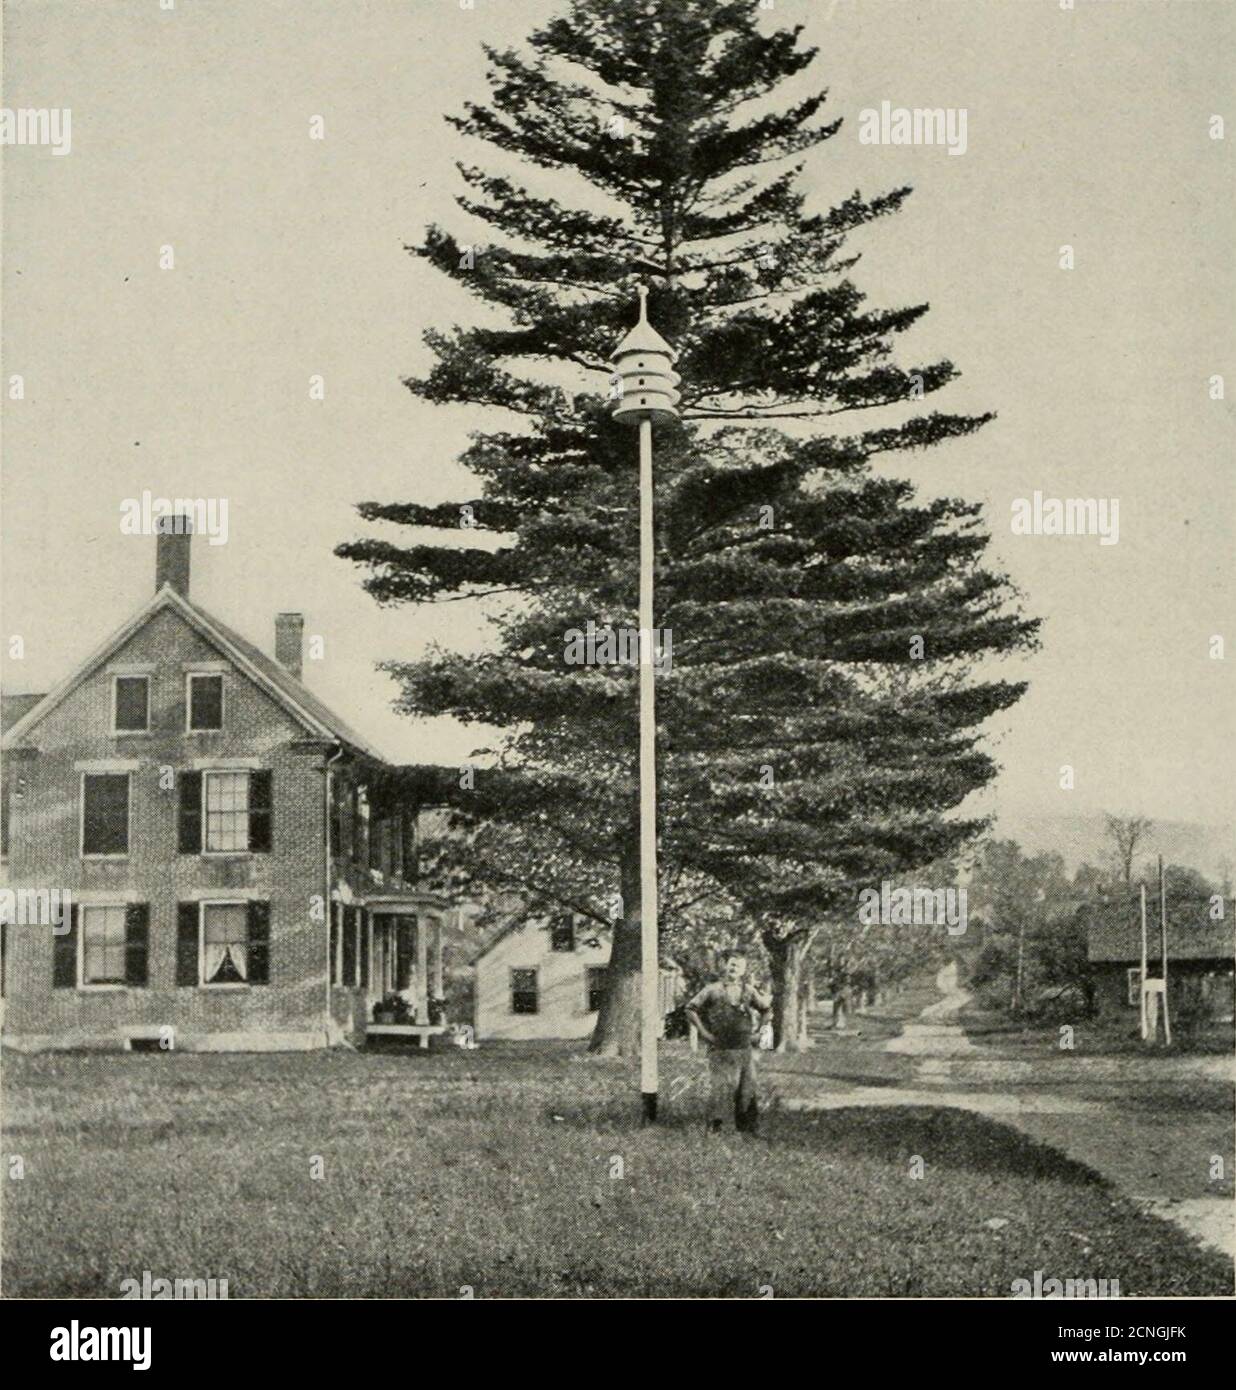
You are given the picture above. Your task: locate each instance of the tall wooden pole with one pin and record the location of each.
(1141, 986)
(647, 390)
(649, 964)
(1167, 1022)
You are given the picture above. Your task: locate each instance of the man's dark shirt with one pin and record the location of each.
(729, 1023)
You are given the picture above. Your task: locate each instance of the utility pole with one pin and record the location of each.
(646, 390)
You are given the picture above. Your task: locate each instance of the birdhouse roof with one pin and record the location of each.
(643, 337)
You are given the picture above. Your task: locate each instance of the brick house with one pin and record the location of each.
(235, 883)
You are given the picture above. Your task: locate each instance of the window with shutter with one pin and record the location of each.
(187, 969)
(349, 947)
(105, 813)
(64, 954)
(259, 943)
(235, 814)
(189, 831)
(261, 811)
(226, 802)
(136, 944)
(103, 944)
(225, 944)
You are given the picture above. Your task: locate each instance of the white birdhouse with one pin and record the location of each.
(645, 381)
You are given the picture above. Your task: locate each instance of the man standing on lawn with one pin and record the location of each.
(724, 1014)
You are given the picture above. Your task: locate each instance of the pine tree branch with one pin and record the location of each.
(484, 593)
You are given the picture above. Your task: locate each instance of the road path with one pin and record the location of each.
(1119, 1131)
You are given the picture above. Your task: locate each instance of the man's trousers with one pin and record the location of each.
(732, 1089)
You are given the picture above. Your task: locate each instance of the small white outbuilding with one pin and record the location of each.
(539, 980)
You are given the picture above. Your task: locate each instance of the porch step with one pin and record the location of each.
(405, 1032)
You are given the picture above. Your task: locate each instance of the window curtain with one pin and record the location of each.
(227, 962)
(225, 948)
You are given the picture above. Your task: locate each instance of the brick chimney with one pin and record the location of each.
(289, 641)
(174, 533)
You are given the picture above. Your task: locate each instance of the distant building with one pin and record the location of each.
(1200, 961)
(537, 979)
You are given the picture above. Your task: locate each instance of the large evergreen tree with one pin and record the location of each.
(821, 715)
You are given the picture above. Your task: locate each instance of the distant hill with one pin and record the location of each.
(1083, 839)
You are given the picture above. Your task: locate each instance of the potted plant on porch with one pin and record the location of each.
(391, 1008)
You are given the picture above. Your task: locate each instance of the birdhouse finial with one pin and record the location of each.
(642, 291)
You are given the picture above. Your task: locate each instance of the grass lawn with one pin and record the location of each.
(1013, 1037)
(1171, 1141)
(522, 1171)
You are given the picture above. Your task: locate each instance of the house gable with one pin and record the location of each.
(170, 620)
(165, 649)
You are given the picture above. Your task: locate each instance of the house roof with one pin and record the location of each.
(294, 690)
(1114, 933)
(519, 917)
(15, 707)
(513, 920)
(280, 684)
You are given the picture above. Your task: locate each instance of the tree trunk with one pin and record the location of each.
(617, 1029)
(806, 1002)
(1018, 978)
(788, 955)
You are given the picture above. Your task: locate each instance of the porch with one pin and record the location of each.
(406, 957)
(390, 976)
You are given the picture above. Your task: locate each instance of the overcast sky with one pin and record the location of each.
(190, 128)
